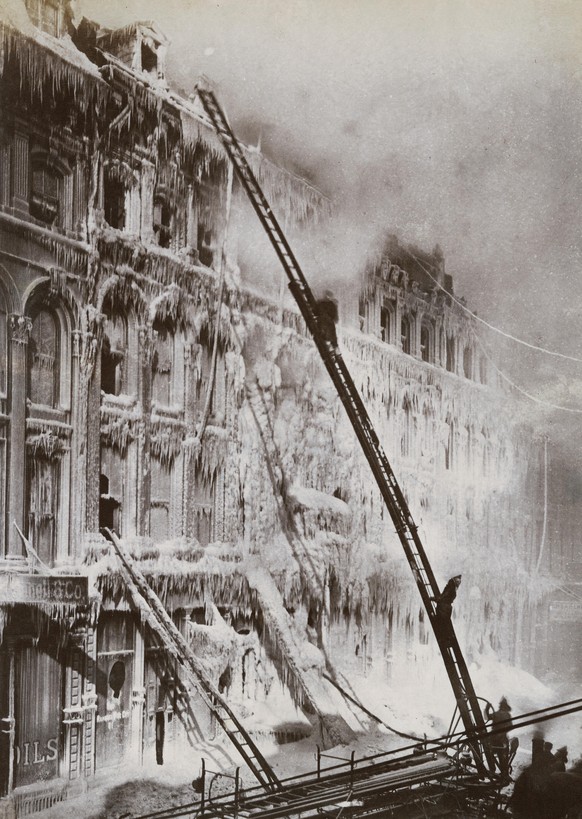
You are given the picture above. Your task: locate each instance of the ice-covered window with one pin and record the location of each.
(114, 197)
(405, 334)
(162, 222)
(162, 367)
(449, 447)
(113, 355)
(362, 312)
(43, 363)
(160, 494)
(45, 15)
(426, 351)
(450, 354)
(217, 381)
(45, 193)
(385, 322)
(200, 508)
(205, 245)
(468, 362)
(43, 496)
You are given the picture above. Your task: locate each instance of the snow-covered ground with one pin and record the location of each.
(407, 710)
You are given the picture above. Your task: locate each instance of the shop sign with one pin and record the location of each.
(566, 611)
(35, 753)
(32, 588)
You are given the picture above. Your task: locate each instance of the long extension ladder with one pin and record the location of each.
(176, 647)
(456, 667)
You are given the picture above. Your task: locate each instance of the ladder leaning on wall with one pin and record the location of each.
(456, 667)
(176, 647)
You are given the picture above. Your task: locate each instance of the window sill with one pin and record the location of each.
(35, 226)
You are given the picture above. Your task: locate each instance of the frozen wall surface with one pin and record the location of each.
(312, 512)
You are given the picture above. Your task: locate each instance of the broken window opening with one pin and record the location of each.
(108, 508)
(205, 248)
(162, 223)
(149, 60)
(114, 202)
(405, 334)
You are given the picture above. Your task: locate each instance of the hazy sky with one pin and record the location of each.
(450, 121)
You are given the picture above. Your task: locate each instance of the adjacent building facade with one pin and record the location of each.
(146, 390)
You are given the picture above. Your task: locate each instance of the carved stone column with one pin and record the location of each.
(7, 720)
(89, 703)
(20, 177)
(138, 697)
(20, 328)
(73, 712)
(143, 451)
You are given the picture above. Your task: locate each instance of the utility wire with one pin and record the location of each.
(486, 323)
(520, 389)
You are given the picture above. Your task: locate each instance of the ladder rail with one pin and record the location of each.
(175, 644)
(392, 494)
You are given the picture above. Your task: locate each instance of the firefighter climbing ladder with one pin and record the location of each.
(175, 646)
(467, 702)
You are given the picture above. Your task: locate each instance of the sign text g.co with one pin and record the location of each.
(31, 588)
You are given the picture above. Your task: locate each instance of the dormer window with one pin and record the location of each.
(45, 15)
(149, 59)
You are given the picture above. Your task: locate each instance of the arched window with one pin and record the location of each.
(450, 354)
(405, 334)
(43, 361)
(426, 351)
(468, 362)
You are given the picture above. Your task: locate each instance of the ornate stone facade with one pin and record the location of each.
(145, 391)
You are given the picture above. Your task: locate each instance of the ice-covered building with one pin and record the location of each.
(146, 389)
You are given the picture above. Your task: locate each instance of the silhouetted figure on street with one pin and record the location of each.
(499, 742)
(560, 759)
